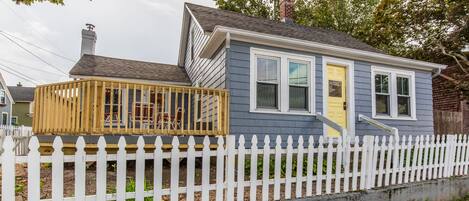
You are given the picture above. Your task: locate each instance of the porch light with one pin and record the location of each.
(465, 50)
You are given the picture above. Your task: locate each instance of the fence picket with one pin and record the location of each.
(205, 169)
(425, 158)
(466, 154)
(415, 155)
(34, 165)
(363, 163)
(309, 167)
(442, 161)
(190, 169)
(121, 170)
(220, 169)
(299, 168)
(338, 166)
(8, 169)
(158, 165)
(230, 167)
(329, 166)
(278, 160)
(347, 150)
(407, 161)
(140, 170)
(458, 154)
(374, 162)
(355, 163)
(174, 184)
(241, 162)
(265, 169)
(80, 169)
(382, 149)
(437, 157)
(101, 169)
(253, 176)
(395, 160)
(431, 159)
(402, 147)
(420, 159)
(319, 166)
(387, 171)
(57, 170)
(288, 167)
(369, 161)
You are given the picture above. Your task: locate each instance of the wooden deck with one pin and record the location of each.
(100, 107)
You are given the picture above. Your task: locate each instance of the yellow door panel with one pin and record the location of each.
(336, 97)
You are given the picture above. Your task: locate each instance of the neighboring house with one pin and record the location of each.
(283, 78)
(6, 102)
(448, 104)
(24, 105)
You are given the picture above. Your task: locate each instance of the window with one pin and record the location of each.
(382, 95)
(31, 107)
(393, 94)
(14, 120)
(281, 82)
(4, 118)
(2, 97)
(267, 82)
(298, 85)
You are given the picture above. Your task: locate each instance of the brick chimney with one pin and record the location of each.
(286, 11)
(88, 40)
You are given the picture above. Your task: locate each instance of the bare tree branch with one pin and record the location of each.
(443, 50)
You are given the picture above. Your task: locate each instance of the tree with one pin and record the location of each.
(430, 30)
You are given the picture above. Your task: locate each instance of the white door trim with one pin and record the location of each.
(350, 91)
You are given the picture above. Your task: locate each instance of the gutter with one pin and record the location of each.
(219, 34)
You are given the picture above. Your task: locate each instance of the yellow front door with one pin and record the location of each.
(336, 98)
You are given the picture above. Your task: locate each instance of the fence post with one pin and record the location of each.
(174, 185)
(190, 169)
(369, 161)
(121, 170)
(101, 166)
(8, 169)
(265, 169)
(241, 161)
(140, 170)
(219, 169)
(80, 169)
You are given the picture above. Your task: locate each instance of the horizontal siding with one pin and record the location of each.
(209, 73)
(424, 106)
(248, 124)
(244, 122)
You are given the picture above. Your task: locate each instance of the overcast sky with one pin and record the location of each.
(147, 30)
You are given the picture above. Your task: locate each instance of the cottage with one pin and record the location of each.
(238, 74)
(6, 102)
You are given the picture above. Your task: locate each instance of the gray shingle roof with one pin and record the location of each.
(93, 65)
(22, 94)
(208, 18)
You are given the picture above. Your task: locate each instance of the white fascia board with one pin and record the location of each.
(219, 33)
(186, 19)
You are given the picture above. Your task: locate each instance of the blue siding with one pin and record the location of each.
(423, 91)
(244, 122)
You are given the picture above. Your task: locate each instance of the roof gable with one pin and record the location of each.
(22, 94)
(208, 18)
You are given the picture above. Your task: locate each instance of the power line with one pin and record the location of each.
(30, 67)
(37, 46)
(38, 57)
(19, 73)
(8, 70)
(28, 22)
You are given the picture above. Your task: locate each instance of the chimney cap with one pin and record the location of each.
(19, 84)
(90, 26)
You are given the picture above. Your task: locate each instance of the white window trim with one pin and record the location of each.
(283, 101)
(393, 73)
(350, 91)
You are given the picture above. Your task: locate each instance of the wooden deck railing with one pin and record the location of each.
(112, 107)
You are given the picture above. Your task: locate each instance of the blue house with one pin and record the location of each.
(238, 74)
(287, 79)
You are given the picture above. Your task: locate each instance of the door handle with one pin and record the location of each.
(345, 105)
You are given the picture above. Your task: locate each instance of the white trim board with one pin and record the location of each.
(392, 72)
(350, 91)
(218, 36)
(137, 81)
(283, 102)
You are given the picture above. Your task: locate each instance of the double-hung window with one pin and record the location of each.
(393, 93)
(281, 82)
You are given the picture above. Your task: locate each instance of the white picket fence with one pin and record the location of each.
(264, 172)
(20, 134)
